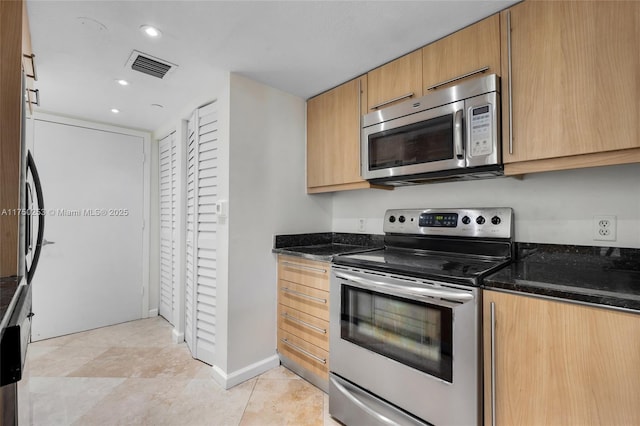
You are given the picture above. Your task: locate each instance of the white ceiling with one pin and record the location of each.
(300, 47)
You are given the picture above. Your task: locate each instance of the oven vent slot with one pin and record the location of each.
(455, 302)
(403, 278)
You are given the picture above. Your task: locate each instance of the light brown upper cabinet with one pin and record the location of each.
(395, 81)
(556, 363)
(462, 55)
(570, 85)
(333, 138)
(11, 98)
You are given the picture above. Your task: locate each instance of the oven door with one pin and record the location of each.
(411, 343)
(422, 142)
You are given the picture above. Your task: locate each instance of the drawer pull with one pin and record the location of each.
(31, 57)
(306, 296)
(303, 323)
(308, 268)
(302, 351)
(390, 101)
(460, 77)
(37, 93)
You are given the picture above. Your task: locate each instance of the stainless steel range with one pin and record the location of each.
(405, 320)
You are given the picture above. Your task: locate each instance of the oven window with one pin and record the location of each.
(416, 334)
(424, 142)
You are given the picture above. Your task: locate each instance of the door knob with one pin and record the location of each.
(46, 243)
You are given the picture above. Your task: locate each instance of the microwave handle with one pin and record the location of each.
(458, 147)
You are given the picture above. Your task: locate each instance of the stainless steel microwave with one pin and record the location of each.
(452, 133)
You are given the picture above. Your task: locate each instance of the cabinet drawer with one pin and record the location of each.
(308, 356)
(306, 272)
(306, 299)
(307, 327)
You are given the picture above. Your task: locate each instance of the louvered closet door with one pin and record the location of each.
(202, 195)
(168, 227)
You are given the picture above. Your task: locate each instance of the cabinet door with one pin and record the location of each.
(10, 156)
(169, 244)
(559, 363)
(461, 53)
(333, 137)
(395, 82)
(574, 79)
(204, 158)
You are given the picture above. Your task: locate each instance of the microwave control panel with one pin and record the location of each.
(480, 130)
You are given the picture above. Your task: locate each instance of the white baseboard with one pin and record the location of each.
(153, 313)
(228, 381)
(176, 336)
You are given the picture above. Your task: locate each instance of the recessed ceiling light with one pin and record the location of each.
(115, 110)
(122, 82)
(150, 31)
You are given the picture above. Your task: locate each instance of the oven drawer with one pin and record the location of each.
(307, 355)
(307, 327)
(303, 271)
(306, 299)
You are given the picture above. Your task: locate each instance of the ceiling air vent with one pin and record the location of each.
(150, 65)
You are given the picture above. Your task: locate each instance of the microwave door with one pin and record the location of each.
(426, 141)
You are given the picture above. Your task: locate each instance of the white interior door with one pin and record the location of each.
(202, 196)
(91, 273)
(168, 227)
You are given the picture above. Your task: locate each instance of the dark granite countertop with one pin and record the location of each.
(607, 276)
(323, 246)
(8, 288)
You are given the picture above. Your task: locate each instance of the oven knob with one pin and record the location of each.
(466, 220)
(401, 219)
(480, 220)
(496, 220)
(392, 219)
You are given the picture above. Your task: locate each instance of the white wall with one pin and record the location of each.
(267, 196)
(553, 207)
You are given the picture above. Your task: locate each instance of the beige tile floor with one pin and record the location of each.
(132, 374)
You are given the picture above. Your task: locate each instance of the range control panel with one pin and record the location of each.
(489, 222)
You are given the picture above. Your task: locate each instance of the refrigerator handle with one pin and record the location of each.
(31, 165)
(27, 230)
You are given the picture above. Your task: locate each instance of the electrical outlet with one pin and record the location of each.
(362, 224)
(604, 228)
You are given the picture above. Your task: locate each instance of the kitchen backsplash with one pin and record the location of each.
(554, 207)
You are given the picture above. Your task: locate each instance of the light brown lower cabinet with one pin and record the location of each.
(557, 363)
(303, 318)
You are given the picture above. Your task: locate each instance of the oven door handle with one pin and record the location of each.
(409, 290)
